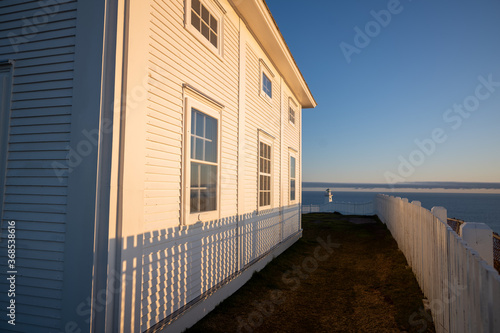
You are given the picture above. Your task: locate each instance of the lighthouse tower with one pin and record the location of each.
(328, 196)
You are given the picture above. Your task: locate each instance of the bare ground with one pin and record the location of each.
(345, 274)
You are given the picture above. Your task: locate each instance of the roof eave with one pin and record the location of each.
(260, 21)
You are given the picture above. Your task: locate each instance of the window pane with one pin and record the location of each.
(195, 201)
(193, 146)
(292, 167)
(205, 14)
(211, 128)
(208, 192)
(292, 189)
(195, 21)
(213, 23)
(211, 151)
(208, 175)
(205, 30)
(195, 179)
(213, 38)
(198, 154)
(200, 124)
(212, 199)
(266, 85)
(195, 4)
(207, 200)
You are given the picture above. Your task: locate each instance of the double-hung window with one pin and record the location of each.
(203, 162)
(202, 168)
(292, 179)
(265, 174)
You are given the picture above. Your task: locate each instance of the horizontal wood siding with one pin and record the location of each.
(291, 145)
(261, 115)
(183, 264)
(177, 58)
(180, 264)
(39, 36)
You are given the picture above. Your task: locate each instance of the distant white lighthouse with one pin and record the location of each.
(328, 196)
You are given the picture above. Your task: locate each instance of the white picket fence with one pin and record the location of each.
(346, 208)
(463, 291)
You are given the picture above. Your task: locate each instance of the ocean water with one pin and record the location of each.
(470, 207)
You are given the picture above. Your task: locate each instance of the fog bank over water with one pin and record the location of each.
(429, 187)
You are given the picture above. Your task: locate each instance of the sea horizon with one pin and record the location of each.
(470, 205)
(413, 187)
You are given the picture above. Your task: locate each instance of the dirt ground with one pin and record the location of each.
(345, 274)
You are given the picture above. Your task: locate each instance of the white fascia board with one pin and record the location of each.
(259, 20)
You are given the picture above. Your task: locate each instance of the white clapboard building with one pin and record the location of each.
(150, 159)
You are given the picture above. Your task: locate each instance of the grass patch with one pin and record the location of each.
(361, 285)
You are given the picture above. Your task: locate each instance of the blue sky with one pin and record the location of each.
(408, 77)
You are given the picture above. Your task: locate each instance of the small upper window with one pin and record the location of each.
(291, 115)
(204, 22)
(267, 85)
(292, 107)
(204, 19)
(266, 82)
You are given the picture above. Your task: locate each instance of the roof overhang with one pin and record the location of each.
(260, 21)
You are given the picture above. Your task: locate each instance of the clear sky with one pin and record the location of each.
(413, 75)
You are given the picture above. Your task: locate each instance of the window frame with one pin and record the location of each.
(189, 218)
(267, 140)
(264, 70)
(292, 154)
(217, 11)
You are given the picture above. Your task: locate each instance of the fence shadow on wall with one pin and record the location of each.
(165, 272)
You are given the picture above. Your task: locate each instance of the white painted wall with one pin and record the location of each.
(168, 264)
(65, 74)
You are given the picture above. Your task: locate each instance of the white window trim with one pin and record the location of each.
(268, 140)
(189, 218)
(264, 69)
(292, 105)
(218, 12)
(292, 153)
